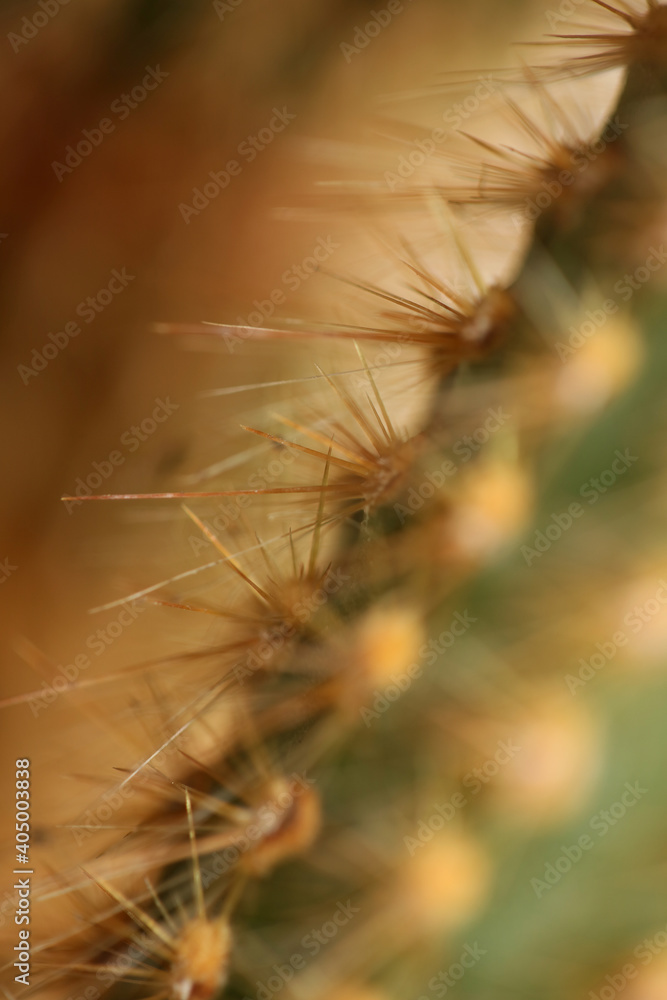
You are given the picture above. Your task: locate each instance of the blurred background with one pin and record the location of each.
(63, 236)
(184, 90)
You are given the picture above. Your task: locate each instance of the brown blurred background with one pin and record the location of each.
(226, 68)
(226, 72)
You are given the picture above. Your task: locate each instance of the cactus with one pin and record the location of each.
(398, 751)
